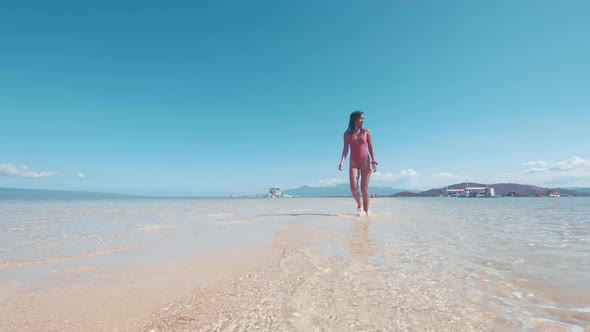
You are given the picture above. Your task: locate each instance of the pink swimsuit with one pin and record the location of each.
(358, 150)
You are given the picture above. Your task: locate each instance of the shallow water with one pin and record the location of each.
(416, 263)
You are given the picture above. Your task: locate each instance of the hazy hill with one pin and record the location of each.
(580, 189)
(503, 189)
(337, 190)
(14, 193)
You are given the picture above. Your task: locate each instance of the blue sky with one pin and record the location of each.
(230, 97)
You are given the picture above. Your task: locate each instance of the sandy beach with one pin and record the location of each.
(287, 285)
(317, 272)
(87, 299)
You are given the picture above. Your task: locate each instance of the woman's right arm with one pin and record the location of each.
(344, 151)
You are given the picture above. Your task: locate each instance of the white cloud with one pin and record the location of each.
(386, 175)
(81, 175)
(408, 173)
(536, 163)
(402, 176)
(572, 172)
(23, 171)
(535, 170)
(572, 164)
(327, 182)
(446, 175)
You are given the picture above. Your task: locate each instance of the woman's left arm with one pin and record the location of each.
(374, 162)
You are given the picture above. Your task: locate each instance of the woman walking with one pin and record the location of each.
(362, 159)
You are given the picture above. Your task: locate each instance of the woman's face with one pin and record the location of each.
(359, 121)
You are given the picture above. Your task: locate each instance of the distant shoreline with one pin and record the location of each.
(501, 189)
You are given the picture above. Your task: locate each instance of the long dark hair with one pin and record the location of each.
(353, 117)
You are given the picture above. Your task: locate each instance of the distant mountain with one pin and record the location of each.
(337, 190)
(16, 193)
(580, 189)
(503, 189)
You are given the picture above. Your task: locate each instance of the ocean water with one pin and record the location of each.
(519, 263)
(40, 236)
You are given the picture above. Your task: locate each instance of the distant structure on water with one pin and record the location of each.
(274, 192)
(549, 193)
(472, 192)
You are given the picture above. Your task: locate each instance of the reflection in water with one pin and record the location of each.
(362, 246)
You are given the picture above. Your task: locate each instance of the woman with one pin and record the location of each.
(362, 159)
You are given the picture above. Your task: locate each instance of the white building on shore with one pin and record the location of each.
(274, 192)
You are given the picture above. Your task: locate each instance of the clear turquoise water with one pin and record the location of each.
(520, 254)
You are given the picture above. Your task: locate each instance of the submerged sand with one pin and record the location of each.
(311, 277)
(307, 291)
(119, 300)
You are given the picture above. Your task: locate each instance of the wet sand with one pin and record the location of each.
(87, 299)
(316, 275)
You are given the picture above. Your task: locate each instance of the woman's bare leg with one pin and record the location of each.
(354, 186)
(365, 177)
